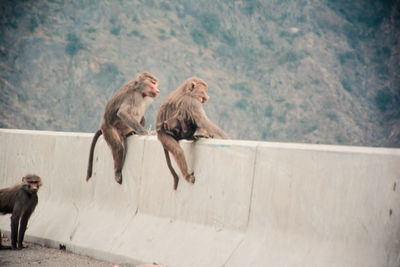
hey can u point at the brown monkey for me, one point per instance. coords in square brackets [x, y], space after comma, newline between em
[20, 200]
[123, 116]
[182, 116]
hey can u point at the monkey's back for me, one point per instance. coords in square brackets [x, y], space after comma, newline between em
[110, 112]
[124, 94]
[7, 198]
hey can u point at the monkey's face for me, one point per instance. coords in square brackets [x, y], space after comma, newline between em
[146, 83]
[34, 186]
[199, 91]
[150, 88]
[32, 182]
[202, 96]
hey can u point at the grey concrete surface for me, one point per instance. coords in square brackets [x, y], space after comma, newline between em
[253, 203]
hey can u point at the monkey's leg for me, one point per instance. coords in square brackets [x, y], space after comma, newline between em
[116, 145]
[173, 146]
[22, 229]
[14, 229]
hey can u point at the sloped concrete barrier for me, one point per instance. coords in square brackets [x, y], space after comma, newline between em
[253, 203]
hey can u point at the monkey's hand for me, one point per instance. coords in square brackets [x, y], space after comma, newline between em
[201, 133]
[151, 132]
[131, 122]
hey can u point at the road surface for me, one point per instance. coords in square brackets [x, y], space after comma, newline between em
[37, 255]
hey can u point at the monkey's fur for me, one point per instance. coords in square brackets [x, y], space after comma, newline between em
[20, 200]
[182, 116]
[123, 116]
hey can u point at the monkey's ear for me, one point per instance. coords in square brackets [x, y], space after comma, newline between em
[192, 86]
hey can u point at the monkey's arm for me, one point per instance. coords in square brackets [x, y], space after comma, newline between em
[24, 222]
[213, 130]
[125, 116]
[203, 122]
[143, 121]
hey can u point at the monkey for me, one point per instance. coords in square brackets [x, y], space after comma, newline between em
[182, 116]
[20, 200]
[124, 116]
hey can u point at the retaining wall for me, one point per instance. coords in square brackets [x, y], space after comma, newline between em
[253, 203]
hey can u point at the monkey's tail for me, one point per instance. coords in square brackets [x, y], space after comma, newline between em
[90, 164]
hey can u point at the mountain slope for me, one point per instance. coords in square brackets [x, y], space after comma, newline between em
[292, 71]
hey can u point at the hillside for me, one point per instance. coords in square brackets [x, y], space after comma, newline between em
[292, 71]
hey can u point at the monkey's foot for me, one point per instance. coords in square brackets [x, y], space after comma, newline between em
[190, 178]
[118, 177]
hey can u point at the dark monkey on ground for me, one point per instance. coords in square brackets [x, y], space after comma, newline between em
[20, 200]
[182, 116]
[123, 116]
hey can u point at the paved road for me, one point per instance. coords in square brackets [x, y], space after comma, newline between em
[36, 255]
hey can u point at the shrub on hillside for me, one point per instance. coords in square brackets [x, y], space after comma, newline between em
[242, 87]
[199, 36]
[73, 44]
[383, 99]
[242, 103]
[210, 22]
[347, 85]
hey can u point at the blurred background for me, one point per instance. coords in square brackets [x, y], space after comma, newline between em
[305, 71]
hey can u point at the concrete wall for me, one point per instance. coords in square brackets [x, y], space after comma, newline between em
[253, 203]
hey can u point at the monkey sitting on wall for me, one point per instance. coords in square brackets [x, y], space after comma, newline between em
[123, 116]
[182, 116]
[20, 200]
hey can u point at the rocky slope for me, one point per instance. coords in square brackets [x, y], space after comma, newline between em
[292, 71]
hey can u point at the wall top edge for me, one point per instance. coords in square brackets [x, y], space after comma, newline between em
[230, 143]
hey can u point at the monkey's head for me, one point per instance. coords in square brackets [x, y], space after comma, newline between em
[146, 83]
[31, 182]
[197, 88]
